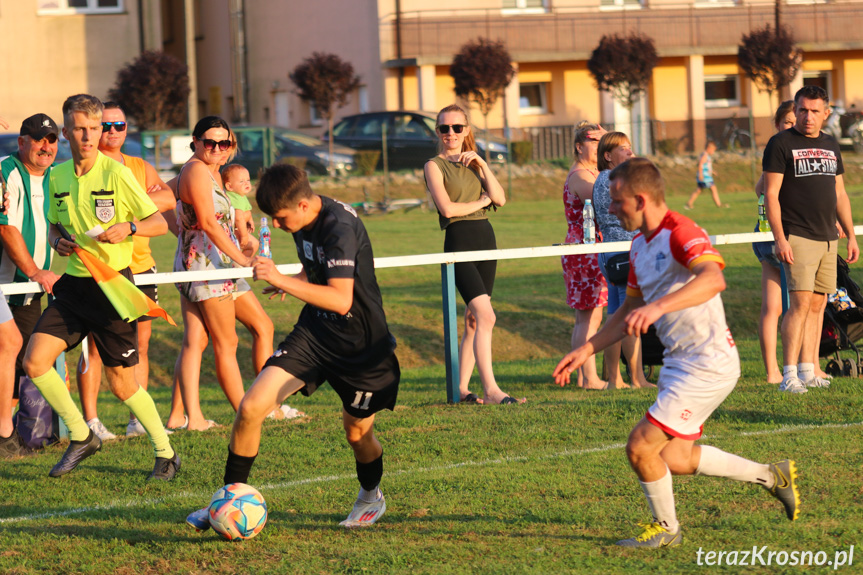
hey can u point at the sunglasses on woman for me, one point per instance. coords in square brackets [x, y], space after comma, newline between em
[210, 145]
[444, 128]
[119, 126]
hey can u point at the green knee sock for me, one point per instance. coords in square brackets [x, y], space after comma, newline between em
[142, 406]
[53, 389]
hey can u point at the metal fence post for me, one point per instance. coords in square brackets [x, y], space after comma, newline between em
[450, 331]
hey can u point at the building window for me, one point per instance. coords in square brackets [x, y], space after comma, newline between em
[714, 3]
[532, 98]
[525, 6]
[55, 7]
[820, 79]
[620, 4]
[721, 91]
[315, 118]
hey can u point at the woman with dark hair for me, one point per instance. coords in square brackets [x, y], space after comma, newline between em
[585, 287]
[206, 241]
[463, 188]
[614, 149]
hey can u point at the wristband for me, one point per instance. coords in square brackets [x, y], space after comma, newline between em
[57, 241]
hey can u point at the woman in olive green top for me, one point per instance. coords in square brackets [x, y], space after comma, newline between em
[463, 187]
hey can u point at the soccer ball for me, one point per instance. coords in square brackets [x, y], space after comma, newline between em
[238, 511]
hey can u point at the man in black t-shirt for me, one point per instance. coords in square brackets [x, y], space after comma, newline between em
[805, 194]
[341, 336]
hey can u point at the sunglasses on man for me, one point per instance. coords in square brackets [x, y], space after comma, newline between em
[210, 145]
[444, 128]
[119, 126]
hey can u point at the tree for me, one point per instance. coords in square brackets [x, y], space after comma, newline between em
[325, 81]
[153, 90]
[623, 66]
[482, 70]
[769, 57]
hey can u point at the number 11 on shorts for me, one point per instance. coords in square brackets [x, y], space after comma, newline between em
[365, 397]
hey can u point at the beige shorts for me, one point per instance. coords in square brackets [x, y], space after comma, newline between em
[814, 267]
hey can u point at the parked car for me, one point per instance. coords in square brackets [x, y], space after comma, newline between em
[287, 144]
[411, 138]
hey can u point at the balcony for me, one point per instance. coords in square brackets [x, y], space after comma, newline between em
[430, 37]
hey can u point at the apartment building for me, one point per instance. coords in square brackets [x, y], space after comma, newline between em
[243, 51]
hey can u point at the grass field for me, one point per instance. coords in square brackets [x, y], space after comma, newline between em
[539, 488]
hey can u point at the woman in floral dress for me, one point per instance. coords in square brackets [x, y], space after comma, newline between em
[586, 291]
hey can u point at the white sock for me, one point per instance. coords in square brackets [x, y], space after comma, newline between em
[788, 372]
[806, 371]
[660, 498]
[369, 496]
[718, 463]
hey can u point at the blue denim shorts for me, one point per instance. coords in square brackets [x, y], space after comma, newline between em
[764, 252]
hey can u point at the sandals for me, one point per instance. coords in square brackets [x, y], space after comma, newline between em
[507, 400]
[471, 398]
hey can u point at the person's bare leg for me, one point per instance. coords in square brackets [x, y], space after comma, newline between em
[466, 359]
[715, 193]
[612, 367]
[481, 309]
[219, 317]
[793, 325]
[252, 315]
[10, 345]
[586, 324]
[771, 309]
[812, 329]
[272, 386]
[187, 370]
[631, 346]
[89, 381]
[691, 202]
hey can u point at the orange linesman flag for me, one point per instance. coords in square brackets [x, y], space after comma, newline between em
[130, 302]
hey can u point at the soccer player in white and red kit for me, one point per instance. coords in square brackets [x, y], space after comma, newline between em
[674, 283]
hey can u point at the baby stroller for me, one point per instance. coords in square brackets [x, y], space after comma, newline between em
[843, 325]
[651, 353]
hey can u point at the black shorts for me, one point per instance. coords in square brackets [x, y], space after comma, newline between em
[364, 390]
[472, 279]
[26, 317]
[151, 291]
[80, 309]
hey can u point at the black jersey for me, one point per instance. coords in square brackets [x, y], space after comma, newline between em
[808, 194]
[338, 246]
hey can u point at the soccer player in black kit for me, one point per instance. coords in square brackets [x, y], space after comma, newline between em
[341, 335]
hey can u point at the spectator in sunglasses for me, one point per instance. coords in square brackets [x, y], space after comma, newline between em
[206, 241]
[89, 372]
[25, 257]
[463, 188]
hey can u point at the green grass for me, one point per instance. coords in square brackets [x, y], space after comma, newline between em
[539, 488]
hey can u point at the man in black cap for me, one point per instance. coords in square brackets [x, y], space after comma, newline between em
[25, 254]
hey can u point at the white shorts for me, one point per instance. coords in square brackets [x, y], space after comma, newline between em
[684, 402]
[5, 312]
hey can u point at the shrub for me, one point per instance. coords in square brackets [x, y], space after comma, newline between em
[367, 161]
[522, 152]
[667, 147]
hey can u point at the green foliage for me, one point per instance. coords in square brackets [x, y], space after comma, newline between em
[668, 146]
[623, 65]
[522, 152]
[367, 161]
[153, 90]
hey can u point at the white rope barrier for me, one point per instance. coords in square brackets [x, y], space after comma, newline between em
[556, 250]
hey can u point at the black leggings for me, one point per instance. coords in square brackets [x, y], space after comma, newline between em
[472, 279]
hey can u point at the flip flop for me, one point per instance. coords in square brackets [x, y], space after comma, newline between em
[507, 400]
[470, 398]
[184, 426]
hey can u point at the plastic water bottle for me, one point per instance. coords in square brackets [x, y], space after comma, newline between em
[763, 224]
[588, 216]
[264, 250]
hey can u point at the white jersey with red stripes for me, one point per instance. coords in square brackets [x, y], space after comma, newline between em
[696, 339]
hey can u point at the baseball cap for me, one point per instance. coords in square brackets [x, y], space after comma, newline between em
[38, 126]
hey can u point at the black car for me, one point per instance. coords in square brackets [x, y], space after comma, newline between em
[411, 138]
[9, 145]
[281, 144]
